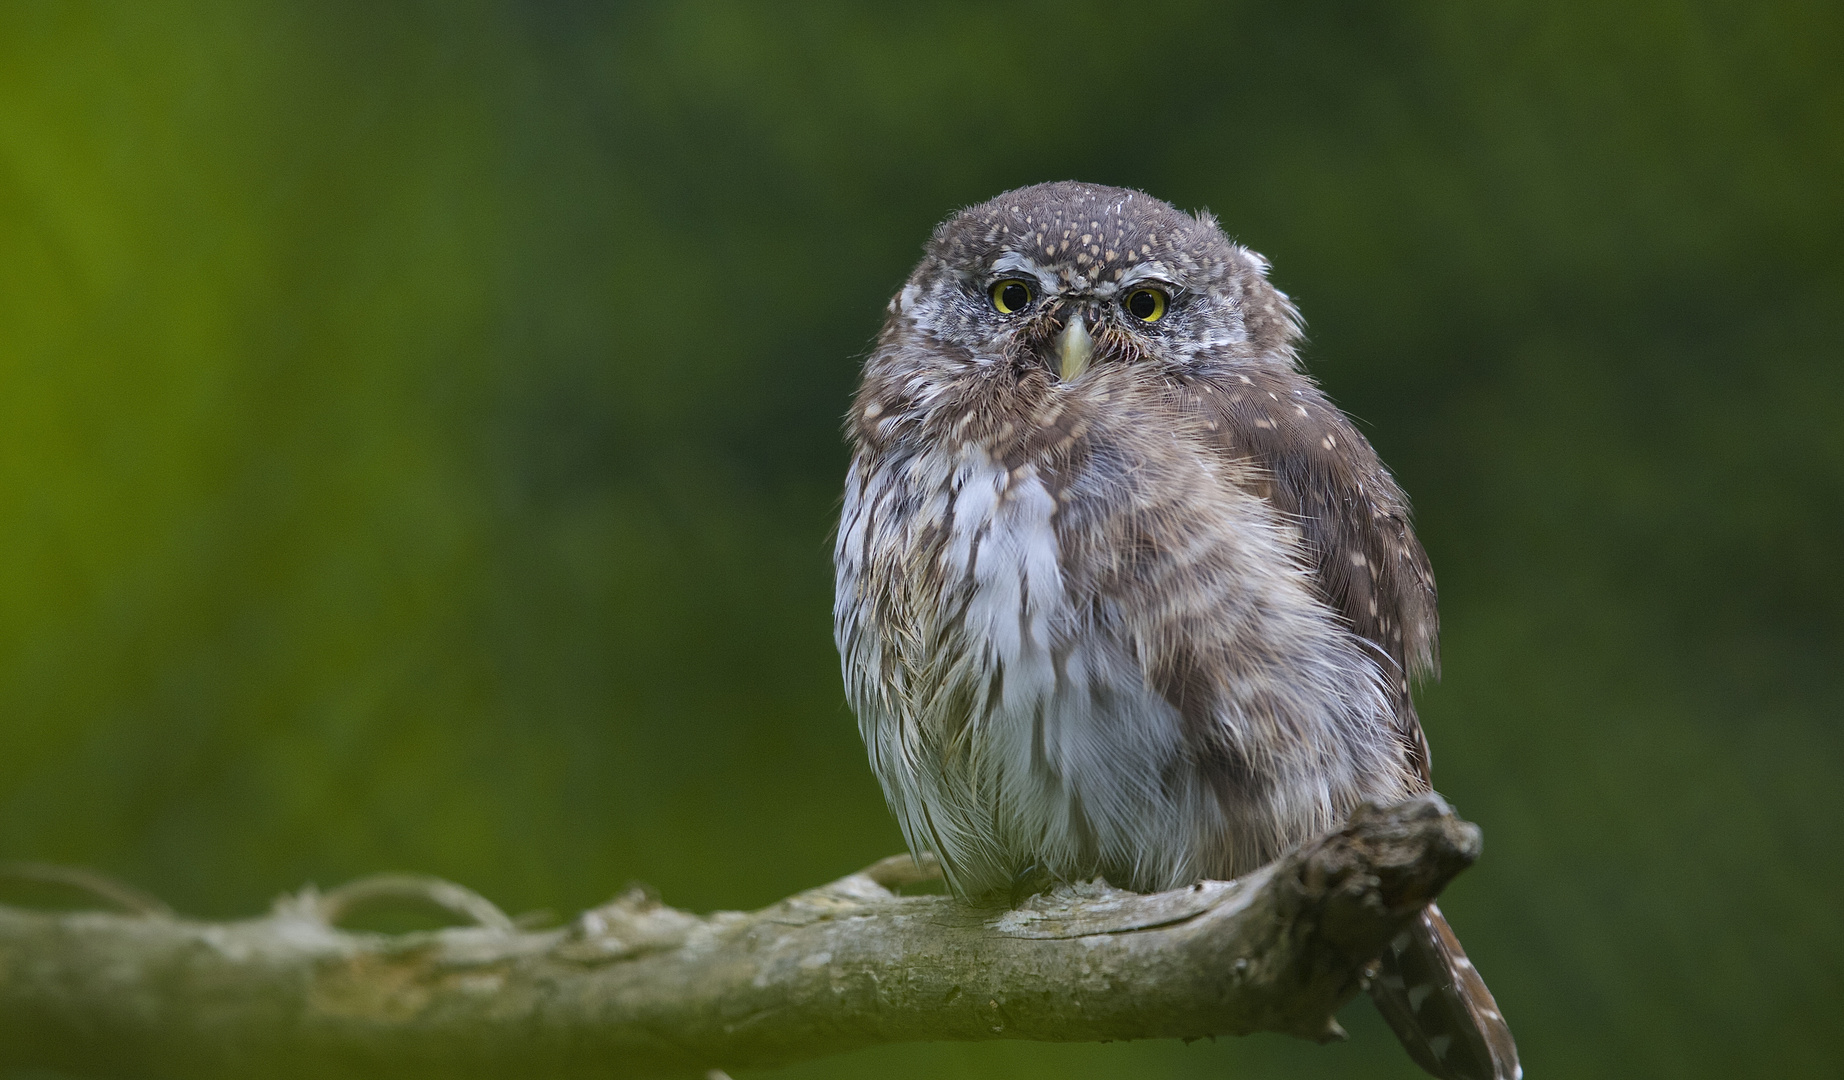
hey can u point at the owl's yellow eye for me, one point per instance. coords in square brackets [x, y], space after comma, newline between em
[1010, 295]
[1146, 305]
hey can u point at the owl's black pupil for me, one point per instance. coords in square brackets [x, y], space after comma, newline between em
[1014, 296]
[1142, 304]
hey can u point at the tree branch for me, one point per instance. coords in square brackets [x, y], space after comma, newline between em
[634, 988]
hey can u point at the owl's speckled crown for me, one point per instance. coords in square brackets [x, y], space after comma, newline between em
[1087, 233]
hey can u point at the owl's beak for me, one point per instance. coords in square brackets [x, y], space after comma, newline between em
[1074, 347]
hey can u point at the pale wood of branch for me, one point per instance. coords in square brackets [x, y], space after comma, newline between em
[638, 989]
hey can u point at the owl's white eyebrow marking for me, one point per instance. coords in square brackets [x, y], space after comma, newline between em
[1151, 271]
[1012, 263]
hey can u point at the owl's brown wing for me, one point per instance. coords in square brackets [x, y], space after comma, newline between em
[1314, 466]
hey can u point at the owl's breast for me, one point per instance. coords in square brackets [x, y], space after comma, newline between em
[1078, 645]
[949, 571]
[1009, 730]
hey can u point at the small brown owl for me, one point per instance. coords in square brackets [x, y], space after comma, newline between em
[1120, 592]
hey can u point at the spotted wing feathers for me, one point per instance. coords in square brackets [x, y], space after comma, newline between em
[1311, 462]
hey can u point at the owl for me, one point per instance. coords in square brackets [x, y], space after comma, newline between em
[1120, 592]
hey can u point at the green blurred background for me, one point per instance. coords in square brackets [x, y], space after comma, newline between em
[419, 442]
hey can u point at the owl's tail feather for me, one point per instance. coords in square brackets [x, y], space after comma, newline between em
[1429, 992]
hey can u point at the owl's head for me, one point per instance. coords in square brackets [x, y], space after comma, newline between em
[1060, 277]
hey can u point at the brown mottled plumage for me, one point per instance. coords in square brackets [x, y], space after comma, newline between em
[1120, 592]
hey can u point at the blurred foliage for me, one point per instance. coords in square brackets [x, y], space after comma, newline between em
[419, 443]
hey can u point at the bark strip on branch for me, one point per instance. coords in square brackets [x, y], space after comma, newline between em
[634, 988]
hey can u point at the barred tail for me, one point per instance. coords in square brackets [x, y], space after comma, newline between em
[1440, 1008]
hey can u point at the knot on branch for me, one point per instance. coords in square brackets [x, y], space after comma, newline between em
[1386, 864]
[631, 925]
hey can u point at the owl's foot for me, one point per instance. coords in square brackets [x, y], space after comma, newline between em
[1027, 883]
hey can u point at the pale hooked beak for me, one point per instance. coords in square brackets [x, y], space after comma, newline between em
[1074, 348]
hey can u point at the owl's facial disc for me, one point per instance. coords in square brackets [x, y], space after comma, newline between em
[1061, 283]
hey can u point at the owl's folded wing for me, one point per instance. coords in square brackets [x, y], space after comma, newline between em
[1314, 466]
